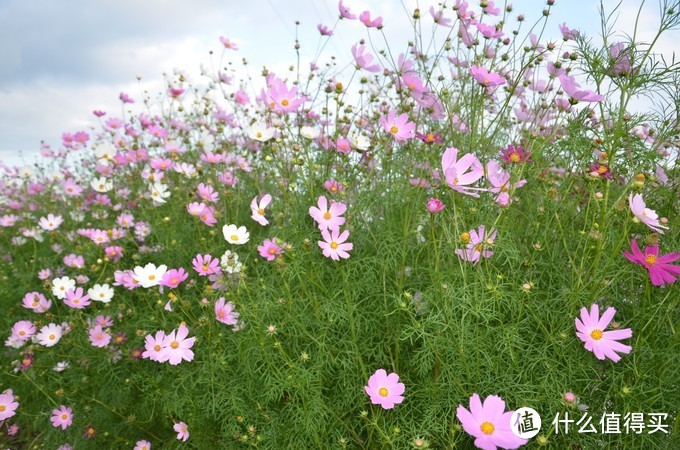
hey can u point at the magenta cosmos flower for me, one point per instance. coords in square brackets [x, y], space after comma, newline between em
[645, 215]
[661, 271]
[398, 126]
[62, 417]
[489, 423]
[182, 431]
[604, 344]
[328, 217]
[7, 405]
[224, 312]
[176, 347]
[334, 245]
[460, 173]
[385, 390]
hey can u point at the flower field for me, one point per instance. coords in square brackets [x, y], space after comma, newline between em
[396, 247]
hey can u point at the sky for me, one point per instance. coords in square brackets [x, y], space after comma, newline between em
[62, 60]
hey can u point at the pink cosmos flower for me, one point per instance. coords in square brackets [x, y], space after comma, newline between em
[23, 330]
[333, 186]
[99, 337]
[385, 390]
[258, 208]
[345, 12]
[486, 78]
[500, 182]
[399, 127]
[62, 417]
[570, 86]
[206, 265]
[365, 18]
[334, 245]
[176, 347]
[173, 278]
[37, 302]
[489, 423]
[644, 214]
[434, 205]
[76, 299]
[328, 218]
[228, 44]
[182, 431]
[460, 173]
[604, 344]
[661, 271]
[142, 445]
[324, 30]
[7, 405]
[269, 249]
[568, 34]
[430, 138]
[280, 98]
[153, 345]
[477, 246]
[364, 59]
[224, 312]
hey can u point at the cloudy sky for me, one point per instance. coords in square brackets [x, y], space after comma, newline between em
[60, 60]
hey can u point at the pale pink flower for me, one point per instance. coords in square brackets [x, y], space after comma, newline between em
[398, 126]
[460, 173]
[182, 431]
[363, 59]
[604, 344]
[269, 249]
[62, 417]
[224, 312]
[489, 423]
[258, 209]
[153, 345]
[99, 337]
[334, 245]
[177, 347]
[644, 214]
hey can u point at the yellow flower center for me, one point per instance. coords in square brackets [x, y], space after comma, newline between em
[602, 169]
[2, 408]
[157, 347]
[596, 334]
[514, 157]
[205, 267]
[430, 137]
[650, 259]
[334, 245]
[465, 237]
[333, 189]
[284, 102]
[152, 277]
[64, 416]
[487, 428]
[259, 134]
[51, 336]
[479, 247]
[174, 344]
[234, 237]
[260, 211]
[272, 251]
[383, 392]
[394, 130]
[22, 332]
[326, 215]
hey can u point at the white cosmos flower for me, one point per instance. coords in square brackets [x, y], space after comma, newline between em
[101, 184]
[49, 335]
[105, 153]
[150, 275]
[359, 141]
[159, 192]
[61, 285]
[51, 222]
[101, 293]
[235, 235]
[260, 132]
[310, 132]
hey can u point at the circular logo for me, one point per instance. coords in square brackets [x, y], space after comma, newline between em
[525, 423]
